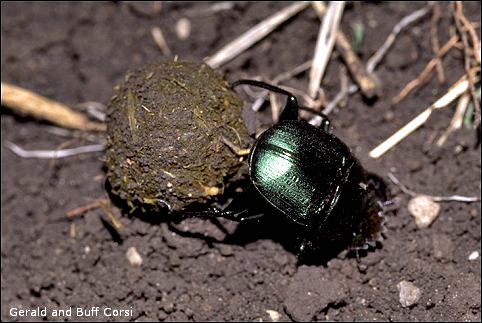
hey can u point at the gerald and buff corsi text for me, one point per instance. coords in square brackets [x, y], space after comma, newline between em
[72, 311]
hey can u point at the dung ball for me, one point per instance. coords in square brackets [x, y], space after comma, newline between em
[165, 130]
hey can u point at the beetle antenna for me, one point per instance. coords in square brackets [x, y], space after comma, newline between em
[290, 112]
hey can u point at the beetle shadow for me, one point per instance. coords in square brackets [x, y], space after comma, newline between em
[270, 225]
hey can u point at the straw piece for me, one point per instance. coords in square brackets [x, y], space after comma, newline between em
[456, 122]
[253, 35]
[456, 198]
[365, 81]
[32, 104]
[380, 53]
[324, 45]
[49, 154]
[159, 39]
[455, 91]
[425, 75]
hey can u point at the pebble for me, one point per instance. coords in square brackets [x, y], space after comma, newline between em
[273, 315]
[474, 256]
[134, 257]
[424, 209]
[409, 293]
[183, 28]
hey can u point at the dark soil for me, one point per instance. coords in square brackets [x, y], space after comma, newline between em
[77, 52]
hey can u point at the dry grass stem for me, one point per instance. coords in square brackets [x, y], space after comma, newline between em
[210, 10]
[342, 95]
[324, 45]
[457, 119]
[319, 7]
[470, 28]
[158, 37]
[81, 210]
[262, 96]
[339, 97]
[50, 154]
[94, 109]
[79, 134]
[457, 198]
[278, 79]
[291, 73]
[105, 206]
[32, 104]
[381, 52]
[275, 107]
[455, 91]
[468, 58]
[253, 35]
[367, 82]
[436, 15]
[425, 75]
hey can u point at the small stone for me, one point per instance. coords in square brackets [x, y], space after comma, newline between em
[424, 209]
[134, 257]
[409, 293]
[183, 28]
[273, 315]
[474, 256]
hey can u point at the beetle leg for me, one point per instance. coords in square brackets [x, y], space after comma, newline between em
[390, 205]
[238, 215]
[290, 112]
[322, 121]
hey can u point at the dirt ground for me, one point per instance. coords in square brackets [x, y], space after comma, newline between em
[77, 52]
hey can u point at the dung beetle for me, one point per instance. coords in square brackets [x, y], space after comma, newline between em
[311, 178]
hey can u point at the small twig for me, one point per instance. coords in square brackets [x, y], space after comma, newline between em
[49, 154]
[457, 198]
[69, 133]
[458, 14]
[457, 119]
[380, 53]
[29, 103]
[158, 37]
[367, 82]
[339, 97]
[253, 35]
[284, 76]
[291, 73]
[95, 109]
[316, 120]
[210, 10]
[454, 92]
[324, 45]
[81, 210]
[435, 42]
[105, 206]
[342, 94]
[275, 107]
[425, 75]
[473, 35]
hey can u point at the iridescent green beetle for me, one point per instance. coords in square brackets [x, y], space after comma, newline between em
[310, 177]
